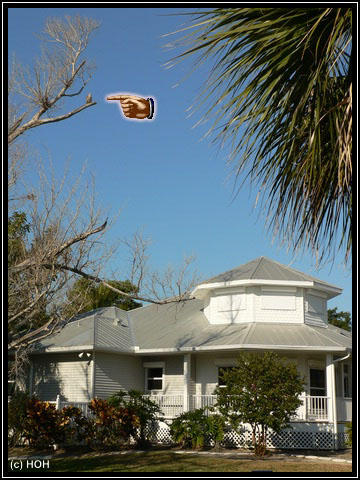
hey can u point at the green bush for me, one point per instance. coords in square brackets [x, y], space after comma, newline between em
[41, 424]
[17, 412]
[141, 407]
[109, 426]
[44, 425]
[196, 429]
[349, 431]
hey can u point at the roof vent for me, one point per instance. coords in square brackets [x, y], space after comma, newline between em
[116, 321]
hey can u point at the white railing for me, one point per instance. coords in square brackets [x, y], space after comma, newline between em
[201, 401]
[83, 406]
[170, 405]
[311, 409]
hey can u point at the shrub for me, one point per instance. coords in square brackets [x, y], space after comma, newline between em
[17, 411]
[41, 424]
[349, 431]
[110, 426]
[140, 406]
[75, 425]
[196, 429]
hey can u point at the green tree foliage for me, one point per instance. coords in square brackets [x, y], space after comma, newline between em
[18, 229]
[280, 93]
[339, 319]
[261, 391]
[144, 409]
[86, 295]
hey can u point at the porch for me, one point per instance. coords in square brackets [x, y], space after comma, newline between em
[312, 409]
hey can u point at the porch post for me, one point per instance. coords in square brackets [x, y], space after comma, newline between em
[187, 366]
[330, 392]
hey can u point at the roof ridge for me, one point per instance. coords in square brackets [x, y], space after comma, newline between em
[257, 266]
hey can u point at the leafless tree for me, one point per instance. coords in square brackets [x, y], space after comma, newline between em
[58, 74]
[66, 232]
[173, 284]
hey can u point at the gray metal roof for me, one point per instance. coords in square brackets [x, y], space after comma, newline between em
[264, 268]
[104, 328]
[184, 326]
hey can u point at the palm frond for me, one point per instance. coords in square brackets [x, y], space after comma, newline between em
[279, 94]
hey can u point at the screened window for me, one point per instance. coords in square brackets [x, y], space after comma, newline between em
[347, 381]
[315, 304]
[154, 379]
[317, 382]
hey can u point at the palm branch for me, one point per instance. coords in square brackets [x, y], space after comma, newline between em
[280, 96]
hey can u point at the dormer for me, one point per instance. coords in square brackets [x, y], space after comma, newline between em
[265, 291]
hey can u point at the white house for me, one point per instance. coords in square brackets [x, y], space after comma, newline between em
[174, 351]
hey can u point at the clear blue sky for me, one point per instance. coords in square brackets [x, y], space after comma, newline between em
[169, 183]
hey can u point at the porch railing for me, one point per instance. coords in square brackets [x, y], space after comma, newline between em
[311, 409]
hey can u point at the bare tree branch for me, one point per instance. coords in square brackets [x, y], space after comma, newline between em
[54, 74]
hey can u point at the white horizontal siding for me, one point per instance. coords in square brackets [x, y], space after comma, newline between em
[117, 372]
[62, 374]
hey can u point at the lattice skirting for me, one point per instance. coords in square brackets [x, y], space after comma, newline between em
[285, 439]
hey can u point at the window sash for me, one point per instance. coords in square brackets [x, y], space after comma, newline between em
[154, 378]
[317, 382]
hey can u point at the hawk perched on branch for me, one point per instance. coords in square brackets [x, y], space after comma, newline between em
[89, 98]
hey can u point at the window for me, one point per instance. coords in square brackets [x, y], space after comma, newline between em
[222, 370]
[317, 382]
[278, 299]
[154, 378]
[347, 380]
[230, 303]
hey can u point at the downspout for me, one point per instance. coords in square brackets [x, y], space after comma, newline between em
[93, 362]
[340, 359]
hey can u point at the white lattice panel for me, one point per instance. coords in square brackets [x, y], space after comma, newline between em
[285, 439]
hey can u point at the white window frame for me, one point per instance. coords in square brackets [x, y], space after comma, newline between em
[147, 366]
[317, 367]
[288, 293]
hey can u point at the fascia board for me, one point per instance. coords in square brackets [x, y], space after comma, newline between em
[241, 283]
[241, 347]
[75, 348]
[200, 290]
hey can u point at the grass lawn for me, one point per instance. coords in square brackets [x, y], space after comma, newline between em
[169, 461]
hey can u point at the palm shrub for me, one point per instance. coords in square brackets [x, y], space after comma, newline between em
[145, 410]
[196, 429]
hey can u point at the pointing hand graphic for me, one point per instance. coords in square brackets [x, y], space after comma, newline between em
[135, 107]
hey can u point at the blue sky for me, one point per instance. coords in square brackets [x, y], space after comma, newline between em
[167, 182]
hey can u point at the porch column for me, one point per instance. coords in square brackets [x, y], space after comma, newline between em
[187, 366]
[330, 392]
